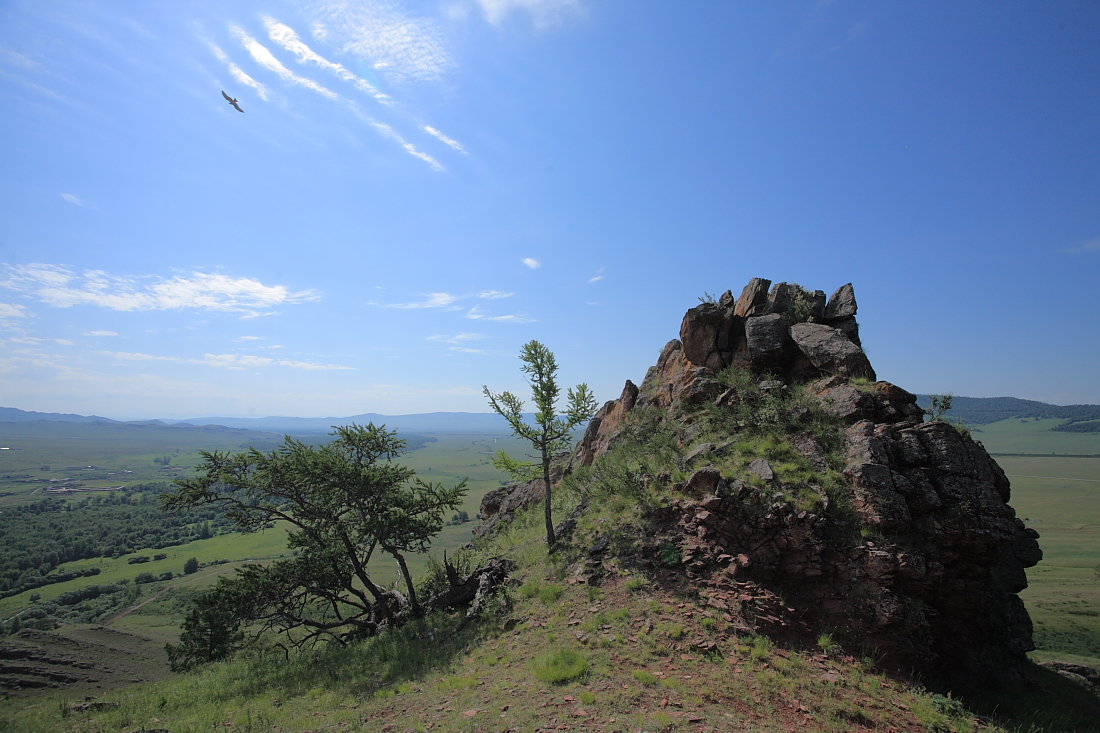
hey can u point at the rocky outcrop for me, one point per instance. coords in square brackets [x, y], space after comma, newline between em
[500, 506]
[918, 554]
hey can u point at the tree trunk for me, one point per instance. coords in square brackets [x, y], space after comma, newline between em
[551, 540]
[413, 603]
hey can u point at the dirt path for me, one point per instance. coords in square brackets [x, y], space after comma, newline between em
[131, 609]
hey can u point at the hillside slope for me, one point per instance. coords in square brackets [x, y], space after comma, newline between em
[759, 537]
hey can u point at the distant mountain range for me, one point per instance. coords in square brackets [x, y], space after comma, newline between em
[972, 410]
[427, 422]
[11, 414]
[430, 422]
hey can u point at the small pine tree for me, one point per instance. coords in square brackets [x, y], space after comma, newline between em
[550, 432]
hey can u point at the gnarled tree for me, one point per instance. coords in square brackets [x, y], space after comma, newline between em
[342, 502]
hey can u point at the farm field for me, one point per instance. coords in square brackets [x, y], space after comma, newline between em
[105, 455]
[1034, 435]
[1058, 496]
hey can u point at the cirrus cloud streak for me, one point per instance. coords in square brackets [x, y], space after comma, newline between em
[231, 361]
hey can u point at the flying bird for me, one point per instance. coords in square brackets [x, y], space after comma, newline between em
[232, 101]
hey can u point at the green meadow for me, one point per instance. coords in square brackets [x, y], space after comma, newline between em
[1053, 492]
[1034, 435]
[1058, 496]
[441, 458]
[106, 455]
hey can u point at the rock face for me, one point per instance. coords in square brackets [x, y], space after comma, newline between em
[920, 556]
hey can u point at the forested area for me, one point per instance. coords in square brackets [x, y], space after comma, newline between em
[41, 536]
[1085, 426]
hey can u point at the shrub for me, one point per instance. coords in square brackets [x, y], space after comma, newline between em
[646, 447]
[761, 648]
[561, 666]
[669, 554]
[550, 593]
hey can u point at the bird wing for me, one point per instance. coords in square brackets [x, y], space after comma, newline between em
[237, 106]
[227, 97]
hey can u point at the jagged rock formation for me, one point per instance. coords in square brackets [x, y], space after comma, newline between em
[914, 551]
[930, 576]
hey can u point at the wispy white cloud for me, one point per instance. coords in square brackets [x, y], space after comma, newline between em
[1093, 246]
[457, 342]
[386, 37]
[32, 85]
[494, 294]
[431, 300]
[458, 338]
[100, 333]
[247, 338]
[72, 199]
[532, 263]
[10, 310]
[230, 361]
[266, 59]
[597, 277]
[288, 38]
[61, 287]
[444, 139]
[35, 341]
[476, 314]
[238, 73]
[411, 149]
[543, 13]
[14, 58]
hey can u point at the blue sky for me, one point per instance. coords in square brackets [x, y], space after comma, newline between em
[416, 189]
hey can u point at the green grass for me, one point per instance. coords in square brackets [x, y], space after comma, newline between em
[232, 547]
[1031, 435]
[1060, 497]
[638, 667]
[541, 666]
[564, 665]
[549, 594]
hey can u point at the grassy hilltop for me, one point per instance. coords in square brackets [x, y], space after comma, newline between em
[639, 651]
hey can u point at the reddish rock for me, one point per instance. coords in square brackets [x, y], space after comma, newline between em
[754, 298]
[831, 351]
[842, 304]
[710, 334]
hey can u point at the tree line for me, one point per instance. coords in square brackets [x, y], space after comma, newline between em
[41, 536]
